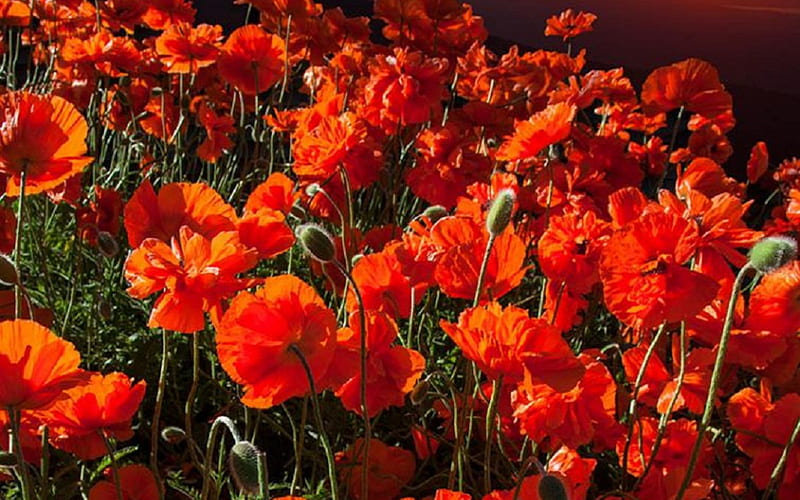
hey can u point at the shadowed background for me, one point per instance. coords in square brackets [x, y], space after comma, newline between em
[753, 43]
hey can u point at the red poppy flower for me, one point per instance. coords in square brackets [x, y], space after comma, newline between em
[185, 49]
[383, 285]
[161, 14]
[30, 436]
[102, 215]
[570, 24]
[218, 128]
[35, 365]
[14, 13]
[44, 136]
[405, 88]
[569, 250]
[104, 403]
[758, 163]
[508, 343]
[252, 60]
[573, 418]
[764, 428]
[693, 84]
[644, 281]
[390, 468]
[392, 371]
[464, 242]
[8, 229]
[266, 231]
[775, 301]
[549, 126]
[451, 495]
[198, 206]
[196, 274]
[136, 482]
[258, 330]
[102, 53]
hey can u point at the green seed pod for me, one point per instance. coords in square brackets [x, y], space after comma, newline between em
[551, 488]
[8, 271]
[773, 252]
[435, 212]
[243, 463]
[173, 435]
[499, 215]
[7, 459]
[316, 242]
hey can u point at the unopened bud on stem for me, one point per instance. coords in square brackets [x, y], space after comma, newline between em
[773, 252]
[499, 215]
[551, 488]
[316, 241]
[244, 466]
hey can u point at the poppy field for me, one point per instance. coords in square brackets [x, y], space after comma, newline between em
[321, 257]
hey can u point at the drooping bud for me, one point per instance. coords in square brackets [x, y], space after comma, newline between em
[312, 189]
[104, 309]
[435, 212]
[316, 242]
[173, 435]
[107, 244]
[418, 393]
[354, 260]
[8, 271]
[552, 488]
[499, 215]
[243, 465]
[773, 252]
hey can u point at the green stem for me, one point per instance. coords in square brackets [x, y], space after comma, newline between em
[326, 445]
[14, 416]
[778, 472]
[154, 431]
[212, 441]
[18, 242]
[716, 376]
[491, 413]
[482, 273]
[189, 406]
[114, 468]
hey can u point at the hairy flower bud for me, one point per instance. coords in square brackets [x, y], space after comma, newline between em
[243, 465]
[773, 252]
[551, 488]
[107, 244]
[499, 215]
[435, 212]
[173, 435]
[316, 242]
[8, 271]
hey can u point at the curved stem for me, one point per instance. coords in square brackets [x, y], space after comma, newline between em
[323, 436]
[18, 242]
[716, 375]
[778, 472]
[211, 445]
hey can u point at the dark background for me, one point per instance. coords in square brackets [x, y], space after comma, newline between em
[753, 43]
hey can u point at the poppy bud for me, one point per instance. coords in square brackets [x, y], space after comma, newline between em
[356, 258]
[312, 189]
[243, 465]
[435, 212]
[7, 459]
[316, 242]
[773, 252]
[418, 393]
[499, 215]
[551, 488]
[104, 309]
[107, 244]
[8, 271]
[173, 435]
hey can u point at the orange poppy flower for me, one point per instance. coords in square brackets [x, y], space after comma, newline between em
[101, 215]
[763, 429]
[252, 60]
[14, 13]
[404, 88]
[196, 274]
[218, 128]
[383, 285]
[508, 343]
[644, 281]
[570, 24]
[122, 14]
[30, 436]
[758, 163]
[464, 244]
[43, 135]
[390, 468]
[775, 301]
[392, 371]
[276, 192]
[258, 330]
[136, 482]
[104, 403]
[569, 250]
[671, 461]
[198, 206]
[693, 84]
[102, 53]
[451, 495]
[185, 49]
[161, 14]
[549, 126]
[35, 365]
[265, 228]
[573, 418]
[161, 117]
